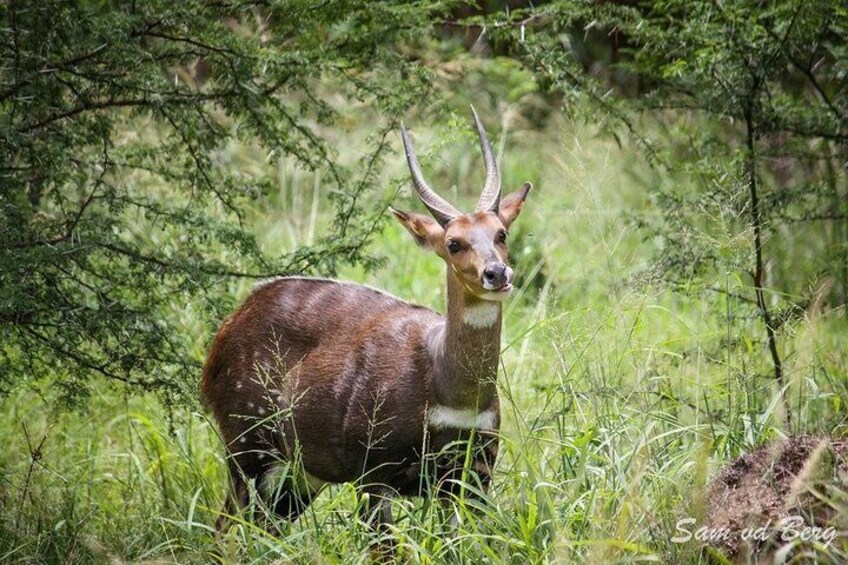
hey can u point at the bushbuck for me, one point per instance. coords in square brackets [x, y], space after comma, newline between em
[315, 381]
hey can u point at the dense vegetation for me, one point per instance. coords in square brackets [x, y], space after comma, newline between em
[683, 261]
[122, 200]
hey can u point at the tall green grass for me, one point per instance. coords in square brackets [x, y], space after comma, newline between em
[619, 399]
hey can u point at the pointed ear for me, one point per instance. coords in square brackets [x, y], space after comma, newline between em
[426, 231]
[511, 205]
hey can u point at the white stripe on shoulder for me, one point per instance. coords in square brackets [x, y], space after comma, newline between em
[266, 282]
[444, 417]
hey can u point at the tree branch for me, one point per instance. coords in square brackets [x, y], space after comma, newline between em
[759, 265]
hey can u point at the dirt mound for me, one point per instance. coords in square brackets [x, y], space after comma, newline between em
[789, 491]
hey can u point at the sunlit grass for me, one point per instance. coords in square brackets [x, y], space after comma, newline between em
[619, 399]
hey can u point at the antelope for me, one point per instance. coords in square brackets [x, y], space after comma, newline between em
[315, 381]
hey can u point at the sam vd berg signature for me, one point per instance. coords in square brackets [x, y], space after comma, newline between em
[787, 529]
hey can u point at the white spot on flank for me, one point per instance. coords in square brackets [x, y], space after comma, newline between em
[243, 439]
[261, 411]
[441, 417]
[483, 315]
[239, 385]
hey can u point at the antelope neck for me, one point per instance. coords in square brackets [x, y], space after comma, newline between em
[467, 348]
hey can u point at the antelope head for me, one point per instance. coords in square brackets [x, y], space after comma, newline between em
[473, 244]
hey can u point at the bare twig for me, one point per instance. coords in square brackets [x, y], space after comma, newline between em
[35, 455]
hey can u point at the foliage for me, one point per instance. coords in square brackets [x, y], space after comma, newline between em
[751, 100]
[119, 204]
[170, 171]
[615, 412]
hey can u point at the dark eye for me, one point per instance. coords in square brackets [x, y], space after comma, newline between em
[502, 236]
[454, 246]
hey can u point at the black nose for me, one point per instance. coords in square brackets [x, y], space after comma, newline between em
[494, 275]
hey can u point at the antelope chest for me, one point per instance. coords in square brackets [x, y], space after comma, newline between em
[445, 417]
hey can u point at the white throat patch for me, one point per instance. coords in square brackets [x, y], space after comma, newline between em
[483, 315]
[445, 417]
